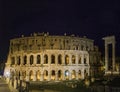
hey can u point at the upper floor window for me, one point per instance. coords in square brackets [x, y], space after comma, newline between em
[38, 59]
[25, 60]
[52, 59]
[73, 59]
[45, 59]
[59, 59]
[31, 59]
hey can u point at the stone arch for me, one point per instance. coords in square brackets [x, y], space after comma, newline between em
[73, 74]
[31, 59]
[45, 75]
[66, 59]
[73, 59]
[85, 73]
[12, 60]
[52, 59]
[79, 61]
[85, 60]
[31, 75]
[38, 75]
[59, 59]
[25, 60]
[45, 59]
[79, 74]
[59, 75]
[53, 75]
[38, 59]
[67, 74]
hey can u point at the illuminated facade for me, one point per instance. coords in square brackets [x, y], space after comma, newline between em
[42, 57]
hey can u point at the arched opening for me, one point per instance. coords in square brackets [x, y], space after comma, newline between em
[25, 60]
[52, 59]
[31, 76]
[59, 59]
[79, 74]
[59, 75]
[12, 60]
[79, 61]
[38, 59]
[45, 75]
[66, 59]
[73, 74]
[45, 59]
[85, 61]
[38, 75]
[31, 59]
[67, 74]
[85, 74]
[53, 75]
[73, 59]
[18, 60]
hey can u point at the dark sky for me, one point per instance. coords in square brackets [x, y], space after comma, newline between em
[94, 19]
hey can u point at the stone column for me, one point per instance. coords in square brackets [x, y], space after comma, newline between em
[56, 59]
[35, 59]
[77, 75]
[34, 79]
[82, 59]
[49, 75]
[113, 55]
[28, 59]
[63, 59]
[106, 57]
[56, 76]
[49, 59]
[42, 58]
[82, 74]
[41, 77]
[76, 59]
[70, 75]
[21, 58]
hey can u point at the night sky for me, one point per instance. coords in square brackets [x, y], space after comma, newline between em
[94, 19]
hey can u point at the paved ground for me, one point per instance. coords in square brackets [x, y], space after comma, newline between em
[4, 86]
